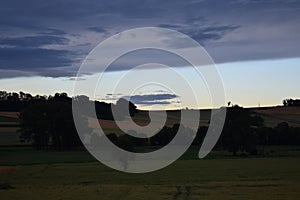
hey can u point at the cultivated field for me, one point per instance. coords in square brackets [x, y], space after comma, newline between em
[13, 115]
[142, 119]
[275, 115]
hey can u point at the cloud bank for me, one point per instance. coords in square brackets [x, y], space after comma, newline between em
[52, 38]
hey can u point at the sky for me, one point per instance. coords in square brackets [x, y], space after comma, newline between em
[254, 43]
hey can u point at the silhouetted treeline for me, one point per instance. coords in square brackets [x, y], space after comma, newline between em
[49, 125]
[243, 132]
[47, 121]
[16, 102]
[162, 138]
[282, 134]
[291, 102]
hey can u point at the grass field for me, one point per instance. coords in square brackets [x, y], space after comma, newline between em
[8, 128]
[30, 174]
[27, 174]
[256, 178]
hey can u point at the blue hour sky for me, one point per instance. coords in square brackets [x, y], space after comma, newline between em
[255, 44]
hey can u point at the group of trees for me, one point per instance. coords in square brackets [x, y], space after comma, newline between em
[47, 121]
[291, 102]
[49, 125]
[16, 102]
[130, 143]
[282, 134]
[240, 130]
[244, 132]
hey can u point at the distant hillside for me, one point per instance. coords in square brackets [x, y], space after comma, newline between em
[142, 119]
[275, 115]
[271, 115]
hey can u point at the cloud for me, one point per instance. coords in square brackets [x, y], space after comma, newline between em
[33, 41]
[75, 79]
[200, 32]
[205, 34]
[22, 58]
[152, 99]
[52, 31]
[145, 99]
[31, 55]
[237, 30]
[263, 1]
[145, 56]
[39, 61]
[170, 26]
[144, 103]
[98, 29]
[7, 73]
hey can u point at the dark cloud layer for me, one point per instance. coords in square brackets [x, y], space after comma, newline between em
[152, 99]
[201, 33]
[52, 31]
[146, 99]
[33, 41]
[98, 29]
[35, 61]
[236, 30]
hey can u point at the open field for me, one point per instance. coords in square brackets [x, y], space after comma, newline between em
[8, 121]
[25, 155]
[272, 116]
[275, 115]
[142, 119]
[8, 137]
[26, 173]
[8, 128]
[252, 178]
[13, 115]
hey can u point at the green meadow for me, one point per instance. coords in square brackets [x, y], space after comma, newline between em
[241, 178]
[30, 174]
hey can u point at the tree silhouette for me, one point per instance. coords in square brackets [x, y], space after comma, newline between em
[240, 130]
[49, 124]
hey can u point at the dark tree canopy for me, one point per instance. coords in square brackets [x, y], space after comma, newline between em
[49, 124]
[291, 102]
[47, 121]
[239, 133]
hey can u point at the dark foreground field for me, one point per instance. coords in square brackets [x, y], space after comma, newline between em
[188, 178]
[28, 174]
